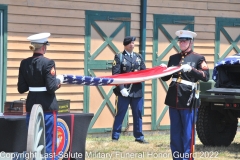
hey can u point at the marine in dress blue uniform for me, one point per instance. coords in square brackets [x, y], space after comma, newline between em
[178, 98]
[37, 74]
[128, 94]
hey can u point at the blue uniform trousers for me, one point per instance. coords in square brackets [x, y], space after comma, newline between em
[122, 106]
[50, 119]
[181, 122]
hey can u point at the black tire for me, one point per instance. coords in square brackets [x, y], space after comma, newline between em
[214, 128]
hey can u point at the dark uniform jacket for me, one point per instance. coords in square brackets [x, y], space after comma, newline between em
[178, 93]
[126, 65]
[38, 71]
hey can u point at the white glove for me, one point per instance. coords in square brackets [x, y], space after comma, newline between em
[60, 77]
[163, 65]
[124, 92]
[186, 68]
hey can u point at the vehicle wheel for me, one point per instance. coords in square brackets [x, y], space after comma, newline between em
[214, 128]
[36, 133]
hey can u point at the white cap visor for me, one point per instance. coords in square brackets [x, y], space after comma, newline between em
[184, 34]
[39, 38]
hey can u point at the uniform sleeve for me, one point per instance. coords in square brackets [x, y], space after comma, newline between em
[116, 68]
[166, 78]
[22, 84]
[202, 70]
[50, 77]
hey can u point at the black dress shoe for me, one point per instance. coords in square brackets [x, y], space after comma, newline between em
[141, 141]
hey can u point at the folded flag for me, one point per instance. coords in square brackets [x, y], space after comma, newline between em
[231, 60]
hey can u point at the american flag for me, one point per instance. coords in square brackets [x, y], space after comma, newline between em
[231, 60]
[131, 77]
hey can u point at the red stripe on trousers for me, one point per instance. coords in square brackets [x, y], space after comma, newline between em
[71, 135]
[54, 132]
[192, 143]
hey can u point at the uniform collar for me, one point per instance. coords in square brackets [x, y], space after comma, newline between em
[186, 53]
[37, 54]
[129, 53]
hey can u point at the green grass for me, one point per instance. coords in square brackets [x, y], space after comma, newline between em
[101, 147]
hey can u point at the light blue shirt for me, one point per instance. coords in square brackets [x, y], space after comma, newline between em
[129, 53]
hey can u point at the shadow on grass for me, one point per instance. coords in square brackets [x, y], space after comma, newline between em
[232, 151]
[234, 147]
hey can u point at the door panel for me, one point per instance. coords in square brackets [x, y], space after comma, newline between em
[164, 45]
[3, 53]
[105, 32]
[227, 37]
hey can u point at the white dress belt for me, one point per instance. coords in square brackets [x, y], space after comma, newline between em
[37, 89]
[183, 81]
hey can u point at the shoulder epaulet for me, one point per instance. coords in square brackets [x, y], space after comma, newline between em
[120, 56]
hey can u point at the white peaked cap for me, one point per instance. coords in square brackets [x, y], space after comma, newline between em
[185, 34]
[39, 38]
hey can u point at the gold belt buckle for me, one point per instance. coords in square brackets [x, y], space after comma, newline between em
[179, 80]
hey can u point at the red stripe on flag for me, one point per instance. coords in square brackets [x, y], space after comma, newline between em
[143, 75]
